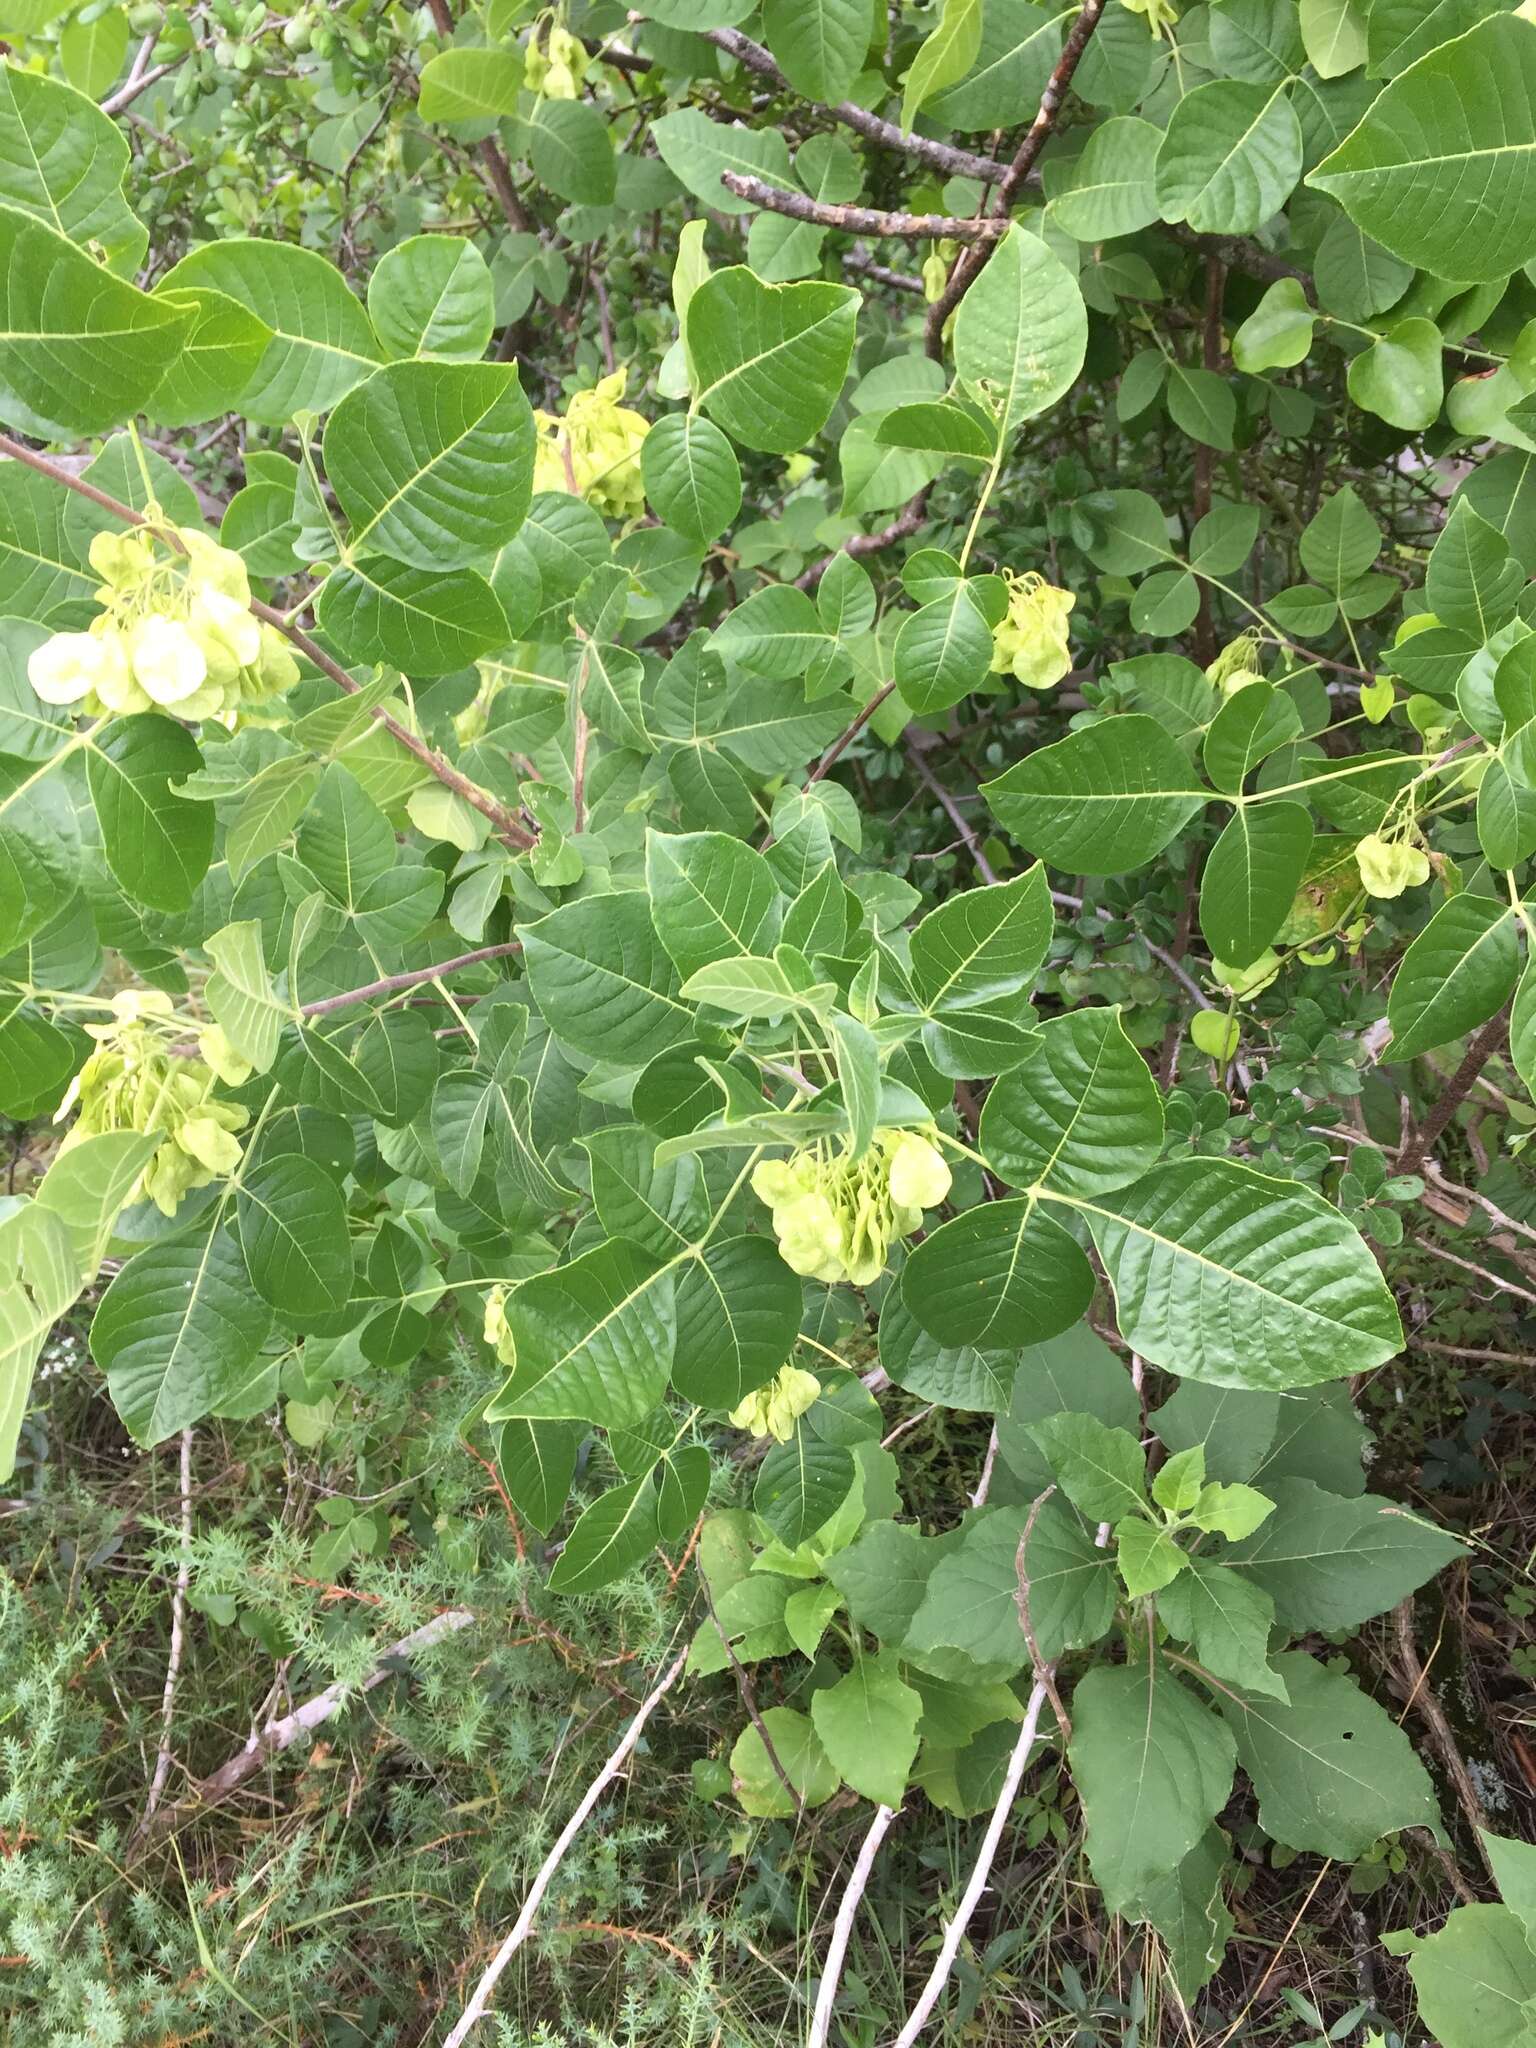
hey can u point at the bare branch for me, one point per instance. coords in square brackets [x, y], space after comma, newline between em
[861, 220]
[178, 1637]
[391, 984]
[951, 810]
[842, 1926]
[480, 2000]
[970, 261]
[958, 163]
[505, 824]
[954, 1933]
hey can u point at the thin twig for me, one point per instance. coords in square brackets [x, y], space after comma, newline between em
[944, 156]
[1421, 1694]
[862, 220]
[842, 1926]
[276, 1736]
[902, 527]
[1467, 1266]
[850, 733]
[502, 819]
[390, 984]
[1045, 1672]
[749, 1699]
[970, 261]
[954, 1933]
[951, 810]
[178, 1637]
[1455, 1091]
[480, 1999]
[988, 1467]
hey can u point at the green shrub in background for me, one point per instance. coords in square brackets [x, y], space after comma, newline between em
[766, 784]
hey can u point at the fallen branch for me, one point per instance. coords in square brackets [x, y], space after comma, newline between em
[842, 1926]
[944, 156]
[480, 1999]
[861, 220]
[954, 1933]
[270, 1741]
[1421, 1694]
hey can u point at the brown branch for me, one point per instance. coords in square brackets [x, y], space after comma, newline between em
[902, 527]
[944, 156]
[850, 732]
[1455, 1092]
[1044, 1673]
[951, 810]
[1421, 1694]
[881, 273]
[495, 169]
[971, 261]
[861, 220]
[505, 824]
[390, 984]
[749, 1699]
[1238, 254]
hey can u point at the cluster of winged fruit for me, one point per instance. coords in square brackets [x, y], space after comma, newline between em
[775, 1409]
[133, 1081]
[1030, 640]
[835, 1212]
[556, 71]
[594, 452]
[176, 633]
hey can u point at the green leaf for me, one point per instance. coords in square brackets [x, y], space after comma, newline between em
[178, 1329]
[769, 360]
[537, 1461]
[345, 840]
[819, 45]
[1251, 877]
[40, 1276]
[470, 85]
[571, 152]
[1111, 190]
[1399, 377]
[157, 844]
[1232, 1427]
[594, 1340]
[944, 56]
[423, 621]
[1340, 542]
[1074, 1372]
[605, 985]
[1082, 1113]
[1020, 44]
[1152, 1767]
[240, 995]
[1472, 580]
[433, 462]
[1185, 1905]
[1476, 1979]
[1227, 1620]
[431, 295]
[1101, 1471]
[1001, 1273]
[868, 1727]
[696, 150]
[692, 477]
[322, 343]
[39, 850]
[1437, 169]
[953, 1376]
[293, 1231]
[801, 1485]
[1277, 335]
[943, 651]
[1021, 331]
[712, 898]
[611, 1536]
[1225, 1275]
[1104, 800]
[971, 1601]
[1330, 1563]
[737, 1311]
[1333, 1771]
[221, 351]
[800, 1756]
[1248, 727]
[63, 160]
[80, 350]
[930, 427]
[1455, 975]
[1514, 1871]
[1205, 407]
[983, 945]
[1147, 1557]
[1334, 32]
[1230, 157]
[1399, 32]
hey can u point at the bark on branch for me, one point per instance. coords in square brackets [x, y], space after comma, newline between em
[861, 220]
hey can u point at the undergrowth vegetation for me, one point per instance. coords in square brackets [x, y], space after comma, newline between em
[767, 778]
